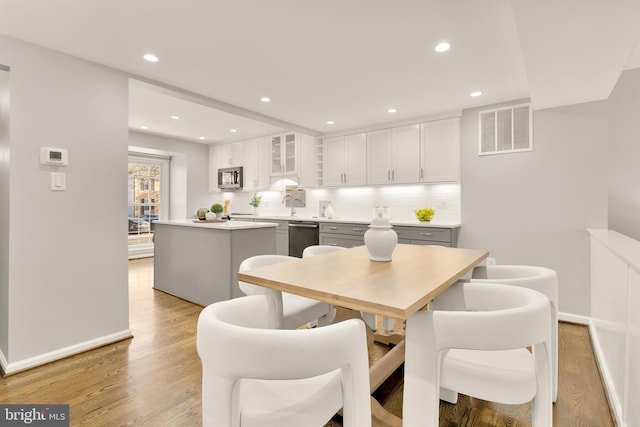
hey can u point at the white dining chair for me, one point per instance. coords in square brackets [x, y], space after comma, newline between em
[474, 340]
[315, 250]
[541, 279]
[257, 377]
[295, 311]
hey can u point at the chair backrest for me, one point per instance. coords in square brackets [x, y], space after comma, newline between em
[233, 347]
[314, 250]
[541, 279]
[258, 261]
[474, 316]
[489, 316]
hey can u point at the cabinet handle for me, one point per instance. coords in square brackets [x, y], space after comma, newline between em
[356, 229]
[426, 234]
[421, 173]
[332, 228]
[388, 175]
[345, 178]
[393, 175]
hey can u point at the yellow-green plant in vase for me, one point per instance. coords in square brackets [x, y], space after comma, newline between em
[425, 214]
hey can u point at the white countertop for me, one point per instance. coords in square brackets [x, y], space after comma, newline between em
[399, 222]
[227, 225]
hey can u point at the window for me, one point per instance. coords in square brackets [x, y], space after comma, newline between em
[505, 130]
[147, 200]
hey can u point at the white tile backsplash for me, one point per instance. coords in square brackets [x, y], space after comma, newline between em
[358, 202]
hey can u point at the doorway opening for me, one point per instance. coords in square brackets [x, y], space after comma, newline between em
[148, 200]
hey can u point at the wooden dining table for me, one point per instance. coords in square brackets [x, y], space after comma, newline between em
[394, 289]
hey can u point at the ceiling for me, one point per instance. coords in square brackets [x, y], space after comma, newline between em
[346, 61]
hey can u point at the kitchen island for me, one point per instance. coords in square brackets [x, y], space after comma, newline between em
[198, 261]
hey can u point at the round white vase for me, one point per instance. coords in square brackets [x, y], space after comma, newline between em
[328, 212]
[380, 240]
[209, 216]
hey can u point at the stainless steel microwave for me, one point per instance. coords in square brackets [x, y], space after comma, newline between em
[230, 179]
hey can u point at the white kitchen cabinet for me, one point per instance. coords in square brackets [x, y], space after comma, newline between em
[231, 154]
[393, 155]
[345, 160]
[440, 151]
[223, 156]
[256, 164]
[283, 154]
[214, 165]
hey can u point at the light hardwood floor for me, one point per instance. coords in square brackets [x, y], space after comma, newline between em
[154, 378]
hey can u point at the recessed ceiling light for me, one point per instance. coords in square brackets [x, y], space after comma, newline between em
[391, 110]
[476, 93]
[175, 117]
[330, 122]
[144, 127]
[442, 47]
[234, 130]
[265, 99]
[201, 138]
[150, 57]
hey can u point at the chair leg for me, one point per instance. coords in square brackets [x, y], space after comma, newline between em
[448, 395]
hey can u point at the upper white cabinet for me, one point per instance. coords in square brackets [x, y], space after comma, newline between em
[440, 151]
[231, 154]
[345, 160]
[393, 155]
[283, 154]
[256, 164]
[215, 160]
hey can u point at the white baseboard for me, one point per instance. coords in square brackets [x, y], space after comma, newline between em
[41, 359]
[614, 401]
[574, 318]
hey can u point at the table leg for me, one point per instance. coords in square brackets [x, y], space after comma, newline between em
[380, 417]
[379, 372]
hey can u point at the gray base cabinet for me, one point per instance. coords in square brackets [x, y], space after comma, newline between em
[350, 235]
[342, 234]
[201, 265]
[427, 236]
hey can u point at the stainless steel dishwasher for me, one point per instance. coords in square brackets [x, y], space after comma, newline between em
[301, 235]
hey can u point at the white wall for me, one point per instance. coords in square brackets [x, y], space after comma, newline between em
[67, 262]
[624, 155]
[534, 207]
[189, 172]
[4, 206]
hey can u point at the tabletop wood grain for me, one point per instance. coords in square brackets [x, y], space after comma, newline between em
[395, 289]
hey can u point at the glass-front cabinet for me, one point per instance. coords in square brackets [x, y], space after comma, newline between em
[283, 153]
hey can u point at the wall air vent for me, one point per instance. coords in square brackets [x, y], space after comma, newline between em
[505, 130]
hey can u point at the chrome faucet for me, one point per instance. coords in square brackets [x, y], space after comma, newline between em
[292, 201]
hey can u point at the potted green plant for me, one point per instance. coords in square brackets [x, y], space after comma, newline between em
[217, 209]
[255, 202]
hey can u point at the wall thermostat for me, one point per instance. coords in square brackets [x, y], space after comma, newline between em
[54, 156]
